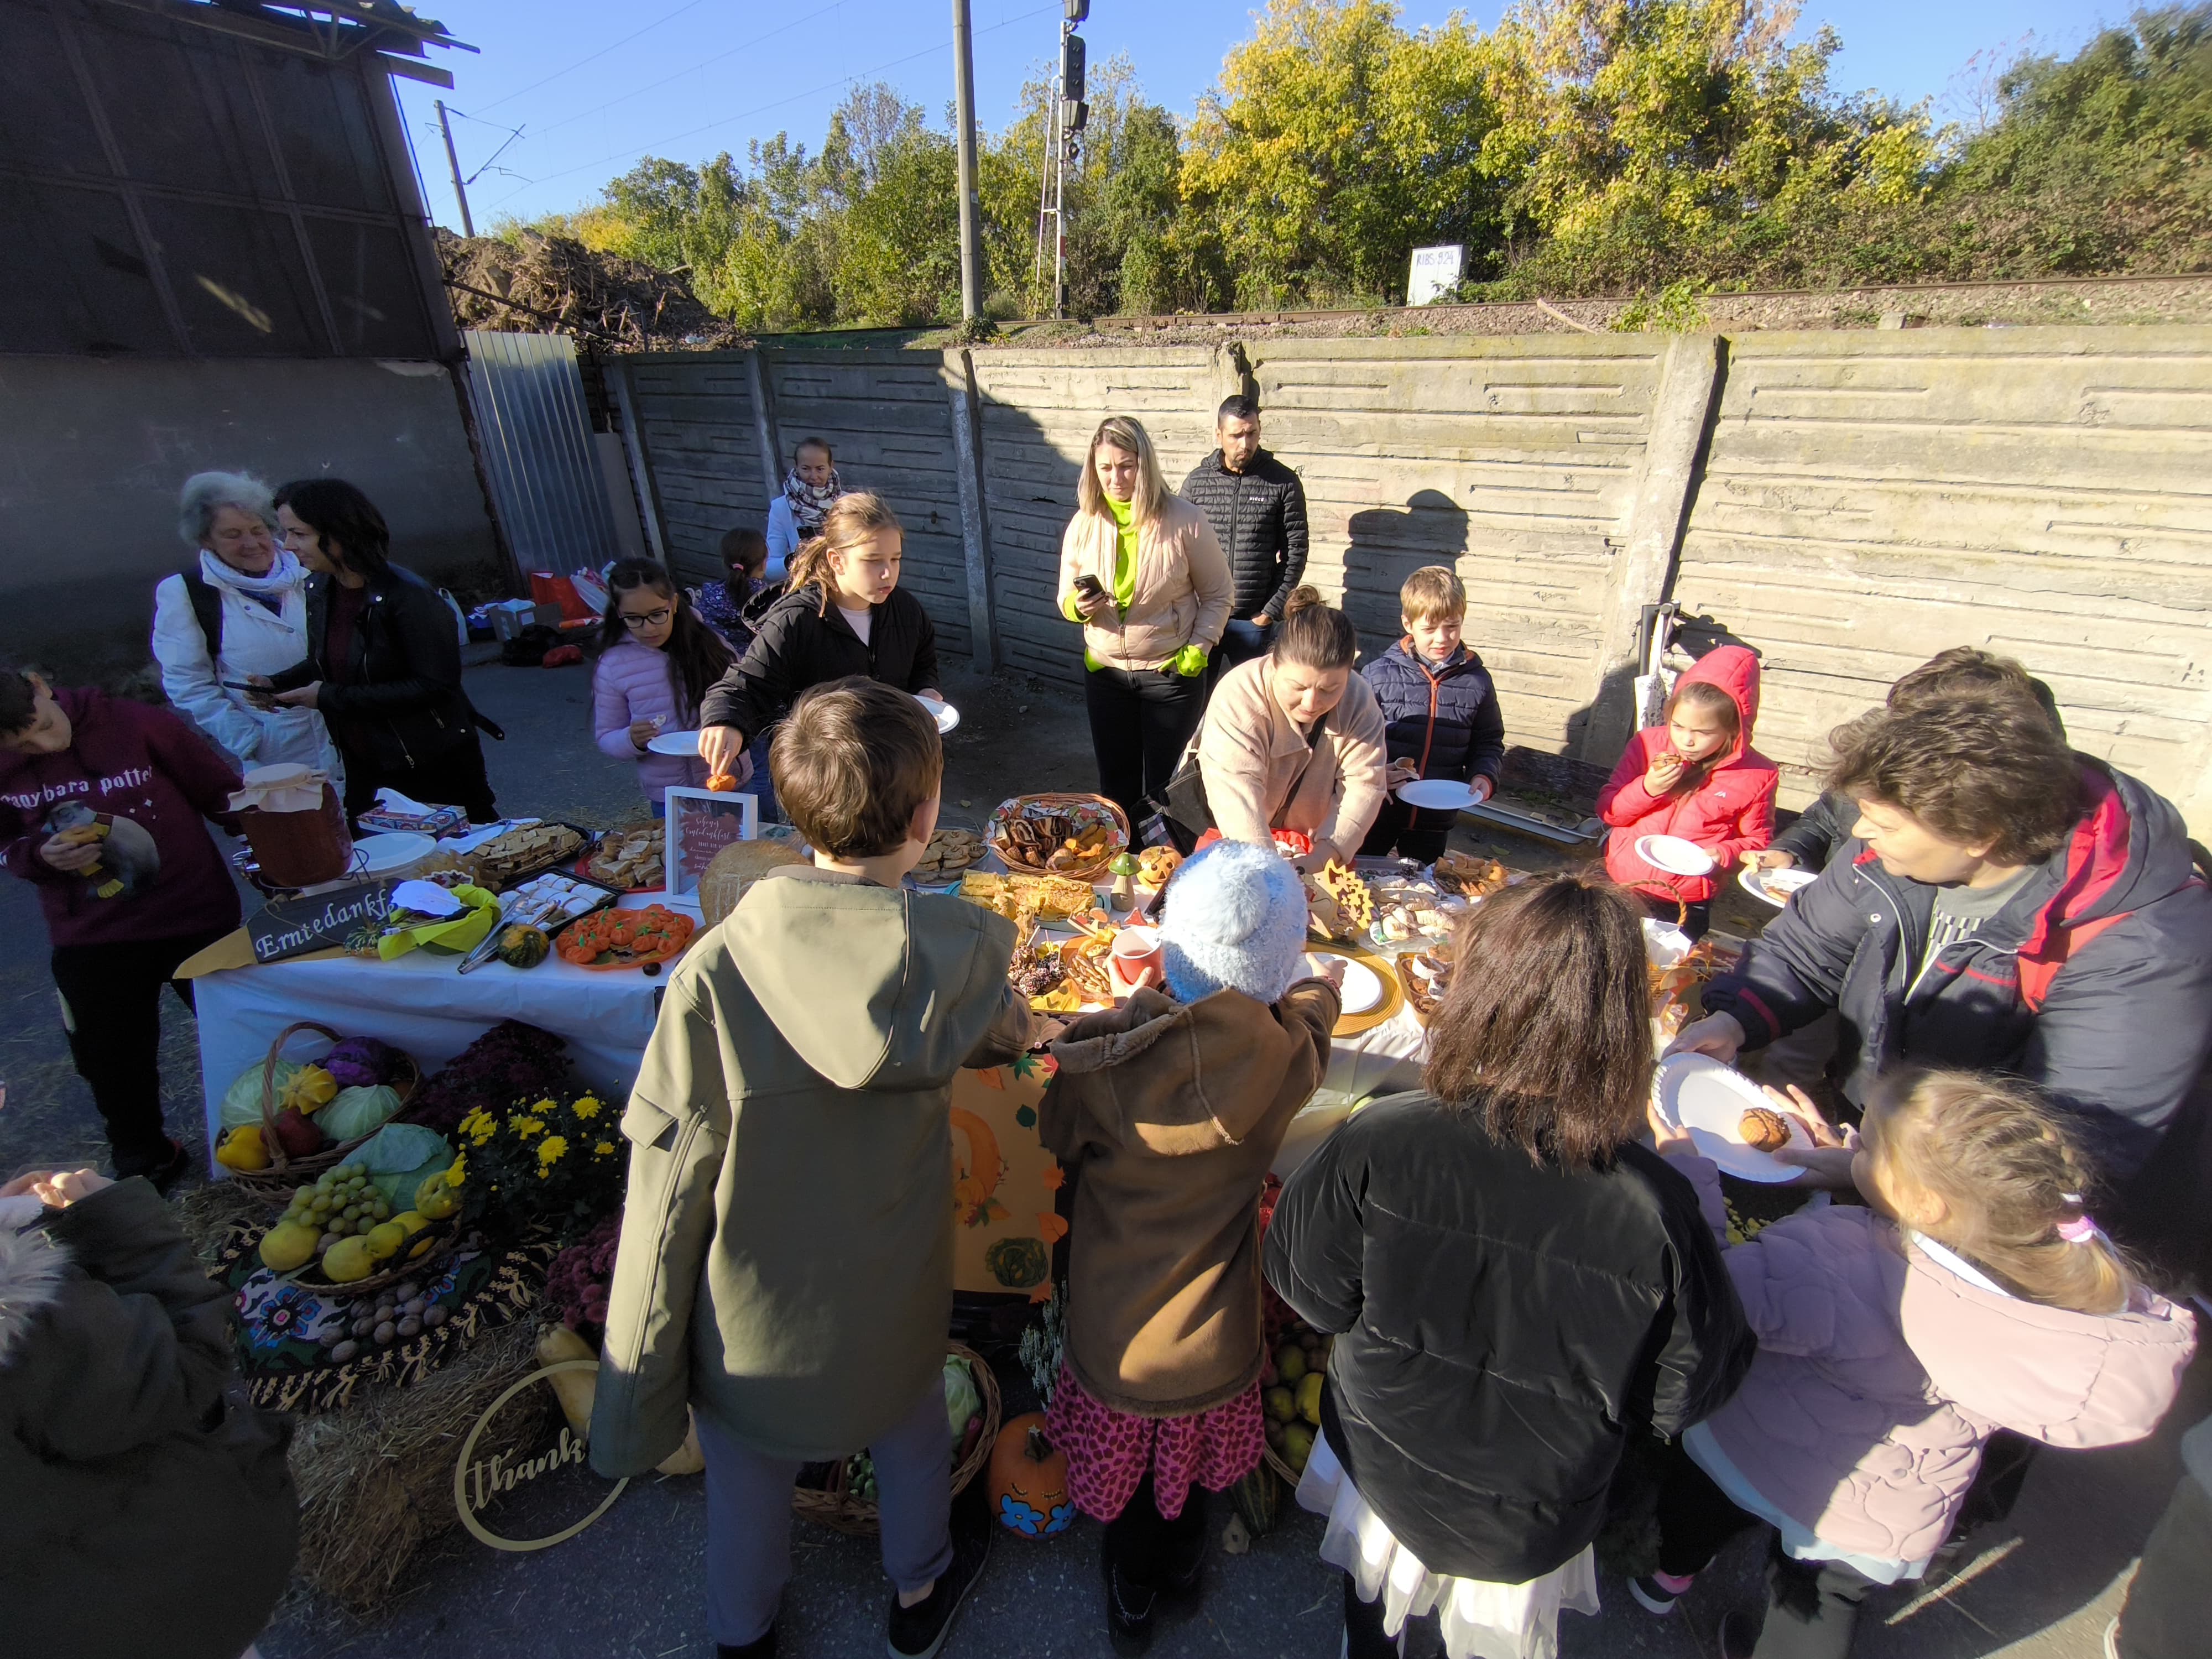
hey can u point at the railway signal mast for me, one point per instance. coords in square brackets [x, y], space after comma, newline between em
[1070, 115]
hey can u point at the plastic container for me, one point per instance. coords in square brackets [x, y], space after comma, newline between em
[547, 588]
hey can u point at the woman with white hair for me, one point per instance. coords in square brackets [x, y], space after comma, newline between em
[1141, 570]
[241, 611]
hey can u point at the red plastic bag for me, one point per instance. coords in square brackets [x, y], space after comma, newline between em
[562, 655]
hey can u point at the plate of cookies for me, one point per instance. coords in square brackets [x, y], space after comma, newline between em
[1729, 1119]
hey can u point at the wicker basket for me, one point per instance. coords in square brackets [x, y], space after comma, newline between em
[274, 1185]
[1283, 1472]
[1117, 843]
[445, 1236]
[835, 1507]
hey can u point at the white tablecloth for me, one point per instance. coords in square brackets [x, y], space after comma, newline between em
[422, 1003]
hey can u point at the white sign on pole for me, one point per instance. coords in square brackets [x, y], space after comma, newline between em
[1435, 271]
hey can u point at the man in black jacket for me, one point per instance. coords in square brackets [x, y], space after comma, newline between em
[1257, 507]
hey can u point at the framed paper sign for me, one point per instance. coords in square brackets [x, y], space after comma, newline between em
[700, 823]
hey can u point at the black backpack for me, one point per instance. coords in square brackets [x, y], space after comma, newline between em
[207, 610]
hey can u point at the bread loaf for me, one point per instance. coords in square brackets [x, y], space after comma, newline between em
[737, 867]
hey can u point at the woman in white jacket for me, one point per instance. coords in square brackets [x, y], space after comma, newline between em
[255, 592]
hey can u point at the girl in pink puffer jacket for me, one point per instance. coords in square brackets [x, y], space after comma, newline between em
[1972, 1293]
[660, 660]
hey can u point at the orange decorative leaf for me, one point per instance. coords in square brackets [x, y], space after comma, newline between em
[1054, 1178]
[1050, 1227]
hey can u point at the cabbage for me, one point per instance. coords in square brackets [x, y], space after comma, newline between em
[241, 1101]
[961, 1399]
[361, 1063]
[357, 1112]
[399, 1158]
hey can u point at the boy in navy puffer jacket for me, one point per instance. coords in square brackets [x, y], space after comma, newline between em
[1442, 711]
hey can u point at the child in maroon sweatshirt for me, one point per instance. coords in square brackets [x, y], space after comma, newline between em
[101, 804]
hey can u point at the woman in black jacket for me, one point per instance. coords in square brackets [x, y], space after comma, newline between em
[383, 658]
[842, 613]
[1517, 1286]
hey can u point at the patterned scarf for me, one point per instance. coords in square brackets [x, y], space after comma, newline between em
[808, 504]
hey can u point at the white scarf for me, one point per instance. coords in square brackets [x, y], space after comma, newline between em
[285, 575]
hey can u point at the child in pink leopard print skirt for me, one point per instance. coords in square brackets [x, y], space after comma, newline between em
[1167, 1112]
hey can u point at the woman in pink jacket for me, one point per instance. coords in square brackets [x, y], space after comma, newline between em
[1696, 778]
[1972, 1292]
[660, 660]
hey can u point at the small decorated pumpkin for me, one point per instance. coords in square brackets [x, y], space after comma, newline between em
[522, 946]
[1029, 1480]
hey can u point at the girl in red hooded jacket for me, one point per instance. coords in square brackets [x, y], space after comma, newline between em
[1698, 778]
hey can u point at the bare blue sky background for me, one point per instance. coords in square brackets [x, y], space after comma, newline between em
[686, 79]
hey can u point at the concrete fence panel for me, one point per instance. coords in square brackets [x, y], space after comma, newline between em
[698, 428]
[1872, 498]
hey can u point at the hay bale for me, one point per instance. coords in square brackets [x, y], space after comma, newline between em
[376, 1480]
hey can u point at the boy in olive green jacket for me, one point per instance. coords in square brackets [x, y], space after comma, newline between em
[785, 1266]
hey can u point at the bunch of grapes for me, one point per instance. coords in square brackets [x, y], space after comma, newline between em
[341, 1202]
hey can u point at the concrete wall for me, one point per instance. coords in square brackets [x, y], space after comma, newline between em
[1846, 503]
[96, 448]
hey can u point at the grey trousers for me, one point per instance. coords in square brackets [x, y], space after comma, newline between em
[2170, 1603]
[748, 1517]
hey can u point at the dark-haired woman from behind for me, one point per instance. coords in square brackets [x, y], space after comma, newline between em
[1294, 739]
[383, 658]
[660, 661]
[1517, 1285]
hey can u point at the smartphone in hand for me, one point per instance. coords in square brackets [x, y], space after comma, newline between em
[1087, 587]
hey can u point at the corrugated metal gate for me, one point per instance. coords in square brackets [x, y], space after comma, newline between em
[535, 437]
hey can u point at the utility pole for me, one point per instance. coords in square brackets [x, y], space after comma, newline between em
[1063, 148]
[453, 160]
[971, 238]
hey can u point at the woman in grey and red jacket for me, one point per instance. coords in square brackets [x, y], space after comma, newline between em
[2008, 905]
[1972, 1292]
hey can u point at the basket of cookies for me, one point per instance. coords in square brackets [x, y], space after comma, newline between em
[1063, 835]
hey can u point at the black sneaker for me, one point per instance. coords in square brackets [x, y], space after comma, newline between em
[918, 1632]
[1130, 1610]
[1656, 1593]
[166, 1171]
[761, 1647]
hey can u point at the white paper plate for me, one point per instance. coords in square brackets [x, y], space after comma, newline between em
[947, 716]
[1674, 855]
[380, 855]
[1776, 886]
[1439, 794]
[1362, 987]
[1699, 1094]
[684, 744]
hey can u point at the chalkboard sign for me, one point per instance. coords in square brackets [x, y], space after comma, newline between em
[293, 927]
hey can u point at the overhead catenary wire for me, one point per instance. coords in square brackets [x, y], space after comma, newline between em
[761, 109]
[593, 57]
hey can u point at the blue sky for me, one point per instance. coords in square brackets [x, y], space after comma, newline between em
[688, 78]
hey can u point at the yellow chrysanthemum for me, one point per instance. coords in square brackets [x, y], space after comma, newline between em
[459, 1171]
[552, 1150]
[604, 1149]
[587, 1109]
[525, 1125]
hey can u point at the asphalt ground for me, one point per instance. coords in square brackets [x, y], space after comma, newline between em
[2045, 1584]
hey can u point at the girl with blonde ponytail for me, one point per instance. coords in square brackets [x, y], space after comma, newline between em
[842, 613]
[1973, 1291]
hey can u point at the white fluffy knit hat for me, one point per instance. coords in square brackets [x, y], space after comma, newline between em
[1235, 918]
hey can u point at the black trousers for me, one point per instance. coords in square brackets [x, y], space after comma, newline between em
[112, 1009]
[1140, 722]
[1812, 1606]
[2169, 1606]
[453, 779]
[1398, 828]
[1157, 1553]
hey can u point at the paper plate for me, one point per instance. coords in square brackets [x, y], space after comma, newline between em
[1775, 886]
[1674, 855]
[684, 744]
[1708, 1099]
[947, 716]
[380, 855]
[1363, 986]
[1439, 794]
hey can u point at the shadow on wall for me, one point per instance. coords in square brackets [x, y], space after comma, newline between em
[1388, 544]
[1581, 771]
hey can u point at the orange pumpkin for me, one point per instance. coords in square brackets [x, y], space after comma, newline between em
[1029, 1480]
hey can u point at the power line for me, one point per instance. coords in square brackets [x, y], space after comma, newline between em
[687, 5]
[762, 109]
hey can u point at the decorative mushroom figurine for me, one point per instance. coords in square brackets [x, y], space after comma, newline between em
[1124, 871]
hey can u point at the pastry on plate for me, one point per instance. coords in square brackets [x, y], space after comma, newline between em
[1763, 1129]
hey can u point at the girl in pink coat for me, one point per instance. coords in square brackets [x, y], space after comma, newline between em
[1696, 778]
[660, 660]
[1972, 1292]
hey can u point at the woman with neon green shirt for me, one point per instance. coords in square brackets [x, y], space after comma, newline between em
[1141, 570]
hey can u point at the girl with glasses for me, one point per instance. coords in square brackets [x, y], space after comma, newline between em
[658, 660]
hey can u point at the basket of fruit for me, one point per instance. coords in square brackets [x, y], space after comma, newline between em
[341, 1236]
[291, 1147]
[1290, 1398]
[626, 939]
[845, 1499]
[1073, 836]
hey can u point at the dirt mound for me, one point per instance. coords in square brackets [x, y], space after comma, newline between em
[536, 283]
